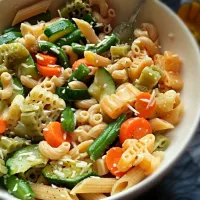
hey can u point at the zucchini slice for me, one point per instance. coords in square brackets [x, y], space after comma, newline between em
[103, 84]
[59, 29]
[73, 172]
[9, 37]
[24, 159]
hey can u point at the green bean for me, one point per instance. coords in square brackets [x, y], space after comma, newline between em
[80, 73]
[79, 49]
[75, 36]
[19, 188]
[56, 51]
[68, 121]
[109, 135]
[105, 44]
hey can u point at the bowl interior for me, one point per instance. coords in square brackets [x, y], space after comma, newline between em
[183, 44]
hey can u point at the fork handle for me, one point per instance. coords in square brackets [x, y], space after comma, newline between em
[136, 11]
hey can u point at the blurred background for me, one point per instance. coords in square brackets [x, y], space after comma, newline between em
[183, 182]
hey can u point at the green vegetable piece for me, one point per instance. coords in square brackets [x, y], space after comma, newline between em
[74, 36]
[30, 125]
[161, 143]
[79, 49]
[68, 120]
[91, 20]
[103, 84]
[77, 8]
[12, 29]
[18, 89]
[72, 174]
[149, 78]
[24, 159]
[105, 44]
[19, 188]
[15, 57]
[30, 70]
[119, 51]
[69, 94]
[80, 73]
[9, 37]
[109, 135]
[59, 29]
[10, 145]
[3, 168]
[56, 51]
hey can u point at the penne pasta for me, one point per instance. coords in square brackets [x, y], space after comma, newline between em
[31, 11]
[93, 196]
[96, 60]
[45, 192]
[87, 31]
[160, 125]
[131, 178]
[94, 185]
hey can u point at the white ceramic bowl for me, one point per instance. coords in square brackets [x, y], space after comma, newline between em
[183, 44]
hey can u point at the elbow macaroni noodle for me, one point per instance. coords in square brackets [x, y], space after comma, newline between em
[54, 153]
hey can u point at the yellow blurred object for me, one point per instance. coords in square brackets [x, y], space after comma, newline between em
[190, 14]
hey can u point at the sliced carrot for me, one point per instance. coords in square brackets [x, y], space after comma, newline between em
[2, 126]
[54, 134]
[44, 59]
[112, 158]
[142, 107]
[79, 62]
[134, 128]
[49, 71]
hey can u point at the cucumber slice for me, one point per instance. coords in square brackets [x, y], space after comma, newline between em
[72, 174]
[59, 29]
[69, 94]
[9, 37]
[56, 51]
[103, 84]
[24, 159]
[68, 120]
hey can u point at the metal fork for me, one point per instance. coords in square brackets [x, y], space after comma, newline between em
[125, 30]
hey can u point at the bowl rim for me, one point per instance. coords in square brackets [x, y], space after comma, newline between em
[157, 175]
[151, 180]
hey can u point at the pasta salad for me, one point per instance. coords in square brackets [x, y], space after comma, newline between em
[83, 114]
